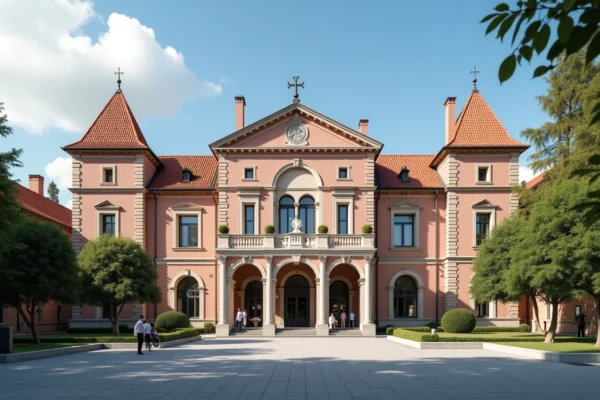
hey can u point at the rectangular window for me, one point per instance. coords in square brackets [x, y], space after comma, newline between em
[404, 229]
[59, 311]
[482, 174]
[108, 224]
[248, 219]
[548, 311]
[343, 173]
[188, 231]
[343, 219]
[108, 175]
[482, 227]
[482, 310]
[248, 173]
[39, 314]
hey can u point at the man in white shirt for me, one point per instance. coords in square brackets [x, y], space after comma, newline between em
[138, 331]
[239, 318]
[332, 322]
[147, 332]
[352, 316]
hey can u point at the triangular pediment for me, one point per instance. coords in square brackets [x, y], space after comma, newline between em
[485, 204]
[107, 205]
[296, 127]
[186, 207]
[404, 204]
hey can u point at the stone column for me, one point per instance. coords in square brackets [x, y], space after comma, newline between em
[311, 318]
[322, 327]
[282, 307]
[222, 325]
[269, 323]
[368, 327]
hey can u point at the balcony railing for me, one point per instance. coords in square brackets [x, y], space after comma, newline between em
[296, 241]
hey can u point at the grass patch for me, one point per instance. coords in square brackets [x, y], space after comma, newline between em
[559, 347]
[103, 338]
[493, 337]
[27, 347]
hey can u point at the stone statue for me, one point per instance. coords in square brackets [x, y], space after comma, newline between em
[296, 224]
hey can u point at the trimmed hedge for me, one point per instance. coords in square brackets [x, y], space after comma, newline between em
[209, 327]
[122, 329]
[223, 229]
[322, 229]
[172, 320]
[423, 337]
[367, 229]
[416, 336]
[269, 229]
[164, 337]
[459, 320]
[478, 329]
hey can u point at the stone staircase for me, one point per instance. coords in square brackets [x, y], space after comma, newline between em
[247, 332]
[346, 332]
[296, 332]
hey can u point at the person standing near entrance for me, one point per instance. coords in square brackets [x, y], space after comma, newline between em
[580, 321]
[245, 318]
[352, 316]
[332, 322]
[138, 331]
[239, 318]
[343, 319]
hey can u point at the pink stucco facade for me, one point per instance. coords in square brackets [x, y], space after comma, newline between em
[411, 264]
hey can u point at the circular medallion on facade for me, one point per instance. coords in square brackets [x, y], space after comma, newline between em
[296, 132]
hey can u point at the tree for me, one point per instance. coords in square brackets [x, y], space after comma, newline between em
[564, 102]
[9, 205]
[116, 271]
[493, 263]
[44, 268]
[53, 192]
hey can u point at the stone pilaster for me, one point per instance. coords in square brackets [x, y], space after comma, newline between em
[269, 323]
[368, 327]
[222, 325]
[514, 181]
[222, 182]
[370, 195]
[139, 208]
[450, 285]
[451, 224]
[322, 326]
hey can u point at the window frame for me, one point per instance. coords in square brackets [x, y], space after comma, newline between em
[107, 208]
[183, 210]
[103, 217]
[312, 207]
[103, 169]
[287, 207]
[488, 180]
[483, 207]
[40, 314]
[347, 169]
[406, 208]
[246, 219]
[478, 224]
[403, 224]
[180, 216]
[249, 168]
[343, 197]
[338, 219]
[189, 174]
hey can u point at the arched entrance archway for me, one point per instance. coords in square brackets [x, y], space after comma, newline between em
[254, 302]
[188, 297]
[296, 302]
[339, 298]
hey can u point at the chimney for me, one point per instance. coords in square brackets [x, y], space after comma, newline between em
[363, 126]
[450, 105]
[240, 105]
[36, 184]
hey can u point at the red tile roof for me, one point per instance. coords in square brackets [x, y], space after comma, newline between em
[43, 207]
[478, 126]
[387, 170]
[532, 184]
[115, 127]
[203, 170]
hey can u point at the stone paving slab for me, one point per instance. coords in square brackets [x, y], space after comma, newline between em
[296, 369]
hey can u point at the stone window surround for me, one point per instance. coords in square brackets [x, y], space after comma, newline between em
[348, 176]
[249, 167]
[186, 209]
[109, 209]
[173, 291]
[249, 199]
[488, 180]
[341, 198]
[483, 207]
[406, 208]
[103, 168]
[420, 293]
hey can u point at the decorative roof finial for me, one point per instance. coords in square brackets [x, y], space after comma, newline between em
[475, 72]
[118, 74]
[296, 85]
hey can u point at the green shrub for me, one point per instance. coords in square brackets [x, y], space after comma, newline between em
[367, 228]
[125, 329]
[416, 336]
[491, 329]
[223, 229]
[90, 330]
[432, 325]
[269, 229]
[322, 229]
[524, 328]
[209, 327]
[179, 334]
[459, 320]
[171, 320]
[389, 330]
[424, 329]
[165, 337]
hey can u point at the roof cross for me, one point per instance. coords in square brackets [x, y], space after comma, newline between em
[475, 72]
[119, 73]
[296, 85]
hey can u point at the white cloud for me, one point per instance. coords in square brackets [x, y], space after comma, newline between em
[59, 171]
[69, 204]
[54, 76]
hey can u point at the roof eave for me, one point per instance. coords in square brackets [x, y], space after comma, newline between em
[438, 157]
[68, 149]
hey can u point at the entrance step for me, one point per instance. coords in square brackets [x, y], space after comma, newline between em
[346, 332]
[247, 332]
[295, 332]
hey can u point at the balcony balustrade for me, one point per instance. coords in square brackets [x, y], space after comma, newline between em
[295, 241]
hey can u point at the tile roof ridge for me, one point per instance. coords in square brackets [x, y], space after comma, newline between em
[133, 121]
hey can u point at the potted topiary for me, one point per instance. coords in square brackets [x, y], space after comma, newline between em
[322, 229]
[269, 229]
[223, 229]
[367, 228]
[433, 326]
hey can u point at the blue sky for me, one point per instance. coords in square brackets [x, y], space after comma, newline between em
[391, 62]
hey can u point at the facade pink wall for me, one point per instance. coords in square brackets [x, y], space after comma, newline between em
[467, 169]
[89, 223]
[91, 171]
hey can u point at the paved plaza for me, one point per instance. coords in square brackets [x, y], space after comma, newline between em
[296, 368]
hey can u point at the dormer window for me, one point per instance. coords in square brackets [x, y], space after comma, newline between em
[187, 176]
[404, 175]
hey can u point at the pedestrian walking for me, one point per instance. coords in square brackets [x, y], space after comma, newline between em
[352, 316]
[239, 317]
[580, 321]
[138, 331]
[343, 319]
[147, 333]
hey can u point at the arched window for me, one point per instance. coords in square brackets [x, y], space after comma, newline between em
[286, 214]
[405, 298]
[307, 214]
[188, 297]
